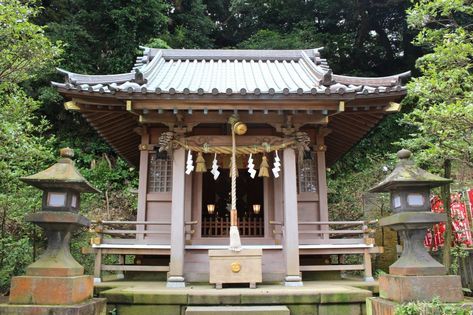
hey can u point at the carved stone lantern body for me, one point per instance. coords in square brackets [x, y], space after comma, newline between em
[415, 275]
[59, 217]
[409, 187]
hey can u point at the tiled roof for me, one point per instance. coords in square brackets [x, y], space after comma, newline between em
[231, 72]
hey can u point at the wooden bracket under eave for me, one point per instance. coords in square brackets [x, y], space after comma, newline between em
[393, 107]
[340, 109]
[341, 106]
[71, 105]
[129, 108]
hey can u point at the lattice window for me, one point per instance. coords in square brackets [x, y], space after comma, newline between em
[159, 174]
[307, 176]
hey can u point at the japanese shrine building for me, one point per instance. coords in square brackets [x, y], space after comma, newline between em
[281, 95]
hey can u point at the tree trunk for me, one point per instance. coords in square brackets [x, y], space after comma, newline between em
[447, 260]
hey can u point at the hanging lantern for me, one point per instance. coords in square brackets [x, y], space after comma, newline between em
[211, 208]
[256, 208]
[200, 164]
[263, 169]
[161, 154]
[308, 155]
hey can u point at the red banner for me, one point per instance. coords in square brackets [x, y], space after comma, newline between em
[460, 223]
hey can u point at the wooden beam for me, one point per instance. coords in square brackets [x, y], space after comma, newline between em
[134, 268]
[332, 267]
[393, 107]
[71, 105]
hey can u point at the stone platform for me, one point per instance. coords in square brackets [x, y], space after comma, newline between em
[315, 297]
[89, 307]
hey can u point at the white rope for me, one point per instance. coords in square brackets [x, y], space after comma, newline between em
[233, 188]
[235, 242]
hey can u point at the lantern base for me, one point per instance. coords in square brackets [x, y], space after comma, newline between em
[89, 307]
[51, 290]
[420, 288]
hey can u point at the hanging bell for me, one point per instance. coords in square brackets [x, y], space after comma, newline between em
[200, 164]
[263, 169]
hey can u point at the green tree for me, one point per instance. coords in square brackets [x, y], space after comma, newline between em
[25, 53]
[443, 117]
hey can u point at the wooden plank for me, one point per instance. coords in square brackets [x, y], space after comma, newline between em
[331, 222]
[135, 222]
[134, 268]
[332, 267]
[333, 232]
[134, 232]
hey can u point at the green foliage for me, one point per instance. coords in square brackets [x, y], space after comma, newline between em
[435, 307]
[24, 49]
[102, 36]
[23, 151]
[458, 252]
[360, 37]
[190, 25]
[268, 39]
[443, 117]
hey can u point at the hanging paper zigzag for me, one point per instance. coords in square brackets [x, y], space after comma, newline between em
[277, 163]
[251, 166]
[189, 163]
[214, 170]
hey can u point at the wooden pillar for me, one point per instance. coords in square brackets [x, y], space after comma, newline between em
[322, 178]
[143, 182]
[176, 266]
[98, 266]
[291, 226]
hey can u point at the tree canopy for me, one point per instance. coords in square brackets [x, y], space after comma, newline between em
[443, 116]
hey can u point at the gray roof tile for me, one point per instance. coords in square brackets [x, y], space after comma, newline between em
[182, 71]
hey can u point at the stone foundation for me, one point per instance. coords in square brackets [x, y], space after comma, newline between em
[314, 298]
[51, 290]
[420, 288]
[90, 307]
[379, 306]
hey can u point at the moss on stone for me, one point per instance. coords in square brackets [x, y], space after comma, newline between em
[342, 309]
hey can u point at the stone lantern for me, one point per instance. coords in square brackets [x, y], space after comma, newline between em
[415, 275]
[56, 281]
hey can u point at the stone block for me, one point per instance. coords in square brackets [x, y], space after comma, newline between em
[51, 290]
[303, 309]
[346, 296]
[166, 297]
[216, 298]
[420, 288]
[380, 306]
[237, 310]
[90, 307]
[280, 297]
[148, 309]
[342, 309]
[117, 295]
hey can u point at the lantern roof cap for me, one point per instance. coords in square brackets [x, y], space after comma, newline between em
[62, 175]
[408, 174]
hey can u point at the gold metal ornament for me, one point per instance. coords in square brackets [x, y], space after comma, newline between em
[240, 128]
[236, 267]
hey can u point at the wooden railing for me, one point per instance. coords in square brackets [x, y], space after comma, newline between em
[323, 228]
[344, 228]
[133, 229]
[220, 227]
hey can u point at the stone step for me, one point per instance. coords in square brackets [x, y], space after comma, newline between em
[237, 310]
